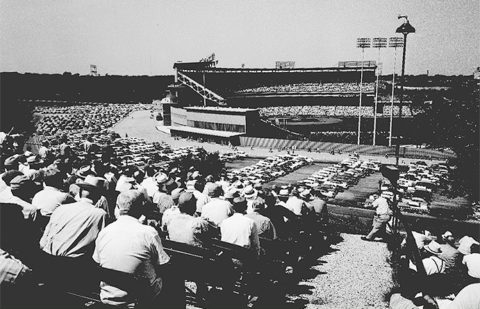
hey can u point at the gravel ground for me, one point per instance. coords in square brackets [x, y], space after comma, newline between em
[355, 274]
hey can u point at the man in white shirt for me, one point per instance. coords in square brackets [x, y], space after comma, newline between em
[217, 210]
[380, 220]
[239, 229]
[48, 199]
[472, 261]
[128, 246]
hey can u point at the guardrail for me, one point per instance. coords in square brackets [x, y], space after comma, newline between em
[406, 152]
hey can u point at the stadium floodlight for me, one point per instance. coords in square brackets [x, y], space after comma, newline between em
[404, 29]
[393, 42]
[378, 43]
[361, 43]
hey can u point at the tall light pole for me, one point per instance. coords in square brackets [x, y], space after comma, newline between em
[377, 43]
[393, 42]
[361, 43]
[404, 29]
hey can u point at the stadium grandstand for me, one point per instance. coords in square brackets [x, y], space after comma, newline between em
[202, 83]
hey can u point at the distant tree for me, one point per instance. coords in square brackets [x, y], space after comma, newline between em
[453, 123]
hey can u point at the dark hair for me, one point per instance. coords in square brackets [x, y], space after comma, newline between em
[239, 204]
[199, 185]
[53, 178]
[475, 248]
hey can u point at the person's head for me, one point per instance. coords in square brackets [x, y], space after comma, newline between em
[448, 238]
[138, 176]
[52, 177]
[283, 195]
[258, 204]
[215, 191]
[92, 188]
[199, 185]
[240, 205]
[187, 203]
[176, 194]
[23, 188]
[475, 248]
[9, 175]
[230, 195]
[131, 203]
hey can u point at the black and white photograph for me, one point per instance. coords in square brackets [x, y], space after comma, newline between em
[247, 154]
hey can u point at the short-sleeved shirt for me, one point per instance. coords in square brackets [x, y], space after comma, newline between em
[217, 210]
[381, 206]
[473, 264]
[49, 199]
[295, 205]
[72, 229]
[188, 229]
[241, 231]
[264, 225]
[130, 247]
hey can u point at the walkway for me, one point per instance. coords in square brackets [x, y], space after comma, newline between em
[356, 274]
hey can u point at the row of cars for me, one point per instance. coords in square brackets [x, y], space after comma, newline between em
[231, 156]
[416, 186]
[269, 169]
[341, 176]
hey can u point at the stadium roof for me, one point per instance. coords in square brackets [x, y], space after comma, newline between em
[225, 134]
[221, 109]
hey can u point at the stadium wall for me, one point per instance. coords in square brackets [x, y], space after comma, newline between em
[344, 148]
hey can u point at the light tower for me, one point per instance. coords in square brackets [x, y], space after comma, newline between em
[361, 43]
[377, 43]
[404, 29]
[394, 42]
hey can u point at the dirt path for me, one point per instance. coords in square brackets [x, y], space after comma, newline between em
[355, 274]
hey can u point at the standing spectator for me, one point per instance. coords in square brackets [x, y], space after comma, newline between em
[383, 214]
[128, 246]
[239, 229]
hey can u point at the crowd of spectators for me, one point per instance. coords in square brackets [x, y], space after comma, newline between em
[452, 268]
[74, 208]
[311, 88]
[333, 111]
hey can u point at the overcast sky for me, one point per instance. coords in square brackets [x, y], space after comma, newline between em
[144, 37]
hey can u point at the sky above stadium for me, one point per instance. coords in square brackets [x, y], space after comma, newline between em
[146, 37]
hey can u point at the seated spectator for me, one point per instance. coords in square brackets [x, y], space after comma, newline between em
[217, 210]
[73, 228]
[48, 199]
[198, 188]
[449, 253]
[186, 228]
[264, 225]
[295, 204]
[19, 191]
[282, 219]
[431, 262]
[130, 247]
[15, 280]
[239, 229]
[467, 298]
[472, 261]
[465, 243]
